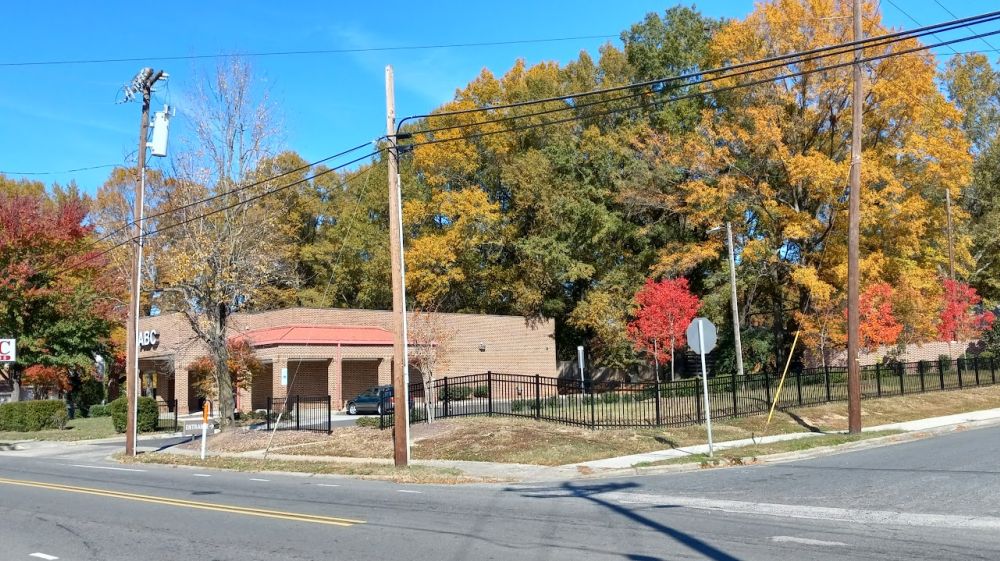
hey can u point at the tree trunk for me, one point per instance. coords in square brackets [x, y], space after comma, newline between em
[672, 378]
[224, 381]
[428, 397]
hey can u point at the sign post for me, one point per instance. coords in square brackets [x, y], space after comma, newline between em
[8, 350]
[702, 336]
[204, 428]
[579, 356]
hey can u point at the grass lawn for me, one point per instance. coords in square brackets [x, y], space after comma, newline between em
[412, 474]
[517, 440]
[77, 429]
[749, 454]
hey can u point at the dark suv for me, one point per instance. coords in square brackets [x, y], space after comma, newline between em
[373, 400]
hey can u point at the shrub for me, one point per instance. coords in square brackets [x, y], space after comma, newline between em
[370, 422]
[149, 414]
[454, 393]
[28, 416]
[59, 419]
[523, 405]
[89, 393]
[481, 391]
[945, 362]
[98, 410]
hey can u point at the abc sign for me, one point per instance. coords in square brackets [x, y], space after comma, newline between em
[8, 350]
[148, 339]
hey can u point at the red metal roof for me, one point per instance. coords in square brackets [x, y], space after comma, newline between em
[318, 335]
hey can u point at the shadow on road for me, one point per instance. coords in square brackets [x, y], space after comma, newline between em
[592, 493]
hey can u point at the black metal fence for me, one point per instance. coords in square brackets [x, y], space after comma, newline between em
[300, 412]
[680, 402]
[167, 419]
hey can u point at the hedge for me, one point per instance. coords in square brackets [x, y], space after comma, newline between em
[455, 393]
[99, 410]
[28, 416]
[149, 414]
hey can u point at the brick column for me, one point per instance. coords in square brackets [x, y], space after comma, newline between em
[334, 382]
[184, 401]
[277, 389]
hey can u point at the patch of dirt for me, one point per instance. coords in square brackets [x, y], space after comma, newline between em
[241, 440]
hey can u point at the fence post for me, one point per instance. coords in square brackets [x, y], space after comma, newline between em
[593, 405]
[798, 384]
[993, 372]
[538, 396]
[958, 368]
[268, 413]
[697, 399]
[329, 414]
[975, 365]
[920, 370]
[901, 372]
[826, 374]
[767, 389]
[489, 392]
[297, 416]
[878, 379]
[447, 396]
[732, 386]
[659, 417]
[175, 416]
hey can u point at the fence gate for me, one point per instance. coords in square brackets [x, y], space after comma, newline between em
[300, 412]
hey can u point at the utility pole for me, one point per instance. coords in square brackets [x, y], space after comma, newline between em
[142, 84]
[853, 242]
[400, 384]
[951, 239]
[733, 302]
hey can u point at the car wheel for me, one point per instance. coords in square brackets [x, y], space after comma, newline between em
[352, 409]
[378, 410]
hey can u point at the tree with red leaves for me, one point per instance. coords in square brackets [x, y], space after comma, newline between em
[56, 296]
[879, 325]
[666, 308]
[960, 319]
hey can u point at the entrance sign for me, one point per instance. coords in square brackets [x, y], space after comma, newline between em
[702, 336]
[8, 350]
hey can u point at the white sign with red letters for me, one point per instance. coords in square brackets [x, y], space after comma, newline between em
[8, 350]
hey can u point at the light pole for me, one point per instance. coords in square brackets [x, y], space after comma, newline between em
[732, 296]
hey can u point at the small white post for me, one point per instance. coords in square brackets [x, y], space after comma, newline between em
[704, 382]
[204, 428]
[579, 358]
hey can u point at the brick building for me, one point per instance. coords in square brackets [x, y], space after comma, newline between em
[340, 352]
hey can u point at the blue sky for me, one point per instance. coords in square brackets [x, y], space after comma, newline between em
[62, 117]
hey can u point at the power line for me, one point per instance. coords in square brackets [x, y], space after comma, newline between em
[239, 189]
[222, 209]
[944, 26]
[830, 51]
[702, 93]
[60, 172]
[893, 4]
[952, 14]
[307, 52]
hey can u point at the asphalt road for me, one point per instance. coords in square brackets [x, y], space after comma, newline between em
[935, 499]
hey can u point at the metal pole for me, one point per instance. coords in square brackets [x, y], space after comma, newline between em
[401, 413]
[704, 382]
[579, 358]
[853, 240]
[733, 302]
[951, 239]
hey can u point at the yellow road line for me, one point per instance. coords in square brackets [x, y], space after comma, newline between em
[294, 516]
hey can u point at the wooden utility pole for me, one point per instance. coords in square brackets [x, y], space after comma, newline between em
[853, 241]
[143, 83]
[951, 239]
[732, 301]
[401, 410]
